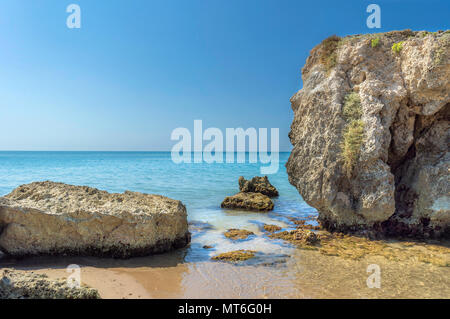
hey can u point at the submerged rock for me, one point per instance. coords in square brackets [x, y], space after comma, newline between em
[47, 218]
[370, 133]
[248, 201]
[299, 237]
[257, 185]
[271, 228]
[238, 233]
[198, 226]
[238, 255]
[302, 223]
[358, 246]
[21, 285]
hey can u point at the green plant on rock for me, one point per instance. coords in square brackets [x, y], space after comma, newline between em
[328, 52]
[374, 42]
[352, 107]
[397, 47]
[351, 146]
[353, 136]
[438, 54]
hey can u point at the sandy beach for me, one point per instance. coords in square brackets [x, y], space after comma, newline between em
[305, 274]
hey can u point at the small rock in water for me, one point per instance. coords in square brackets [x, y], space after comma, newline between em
[299, 237]
[237, 255]
[248, 201]
[257, 185]
[238, 234]
[198, 226]
[271, 228]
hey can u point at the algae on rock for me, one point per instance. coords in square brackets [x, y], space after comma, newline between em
[234, 256]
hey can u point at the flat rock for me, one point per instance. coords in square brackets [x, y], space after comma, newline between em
[234, 256]
[48, 218]
[235, 234]
[257, 185]
[271, 228]
[299, 236]
[248, 201]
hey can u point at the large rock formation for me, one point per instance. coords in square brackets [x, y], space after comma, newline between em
[371, 133]
[54, 218]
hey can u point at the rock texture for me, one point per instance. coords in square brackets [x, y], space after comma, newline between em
[254, 195]
[235, 256]
[248, 201]
[271, 228]
[236, 234]
[257, 185]
[53, 218]
[383, 101]
[20, 285]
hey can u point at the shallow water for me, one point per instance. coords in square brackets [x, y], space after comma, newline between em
[279, 270]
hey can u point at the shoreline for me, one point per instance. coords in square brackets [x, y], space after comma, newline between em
[305, 274]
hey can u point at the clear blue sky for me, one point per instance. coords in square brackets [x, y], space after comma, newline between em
[138, 69]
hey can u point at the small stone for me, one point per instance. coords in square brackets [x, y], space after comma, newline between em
[238, 234]
[301, 237]
[238, 255]
[248, 201]
[271, 228]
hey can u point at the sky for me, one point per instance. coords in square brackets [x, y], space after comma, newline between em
[136, 70]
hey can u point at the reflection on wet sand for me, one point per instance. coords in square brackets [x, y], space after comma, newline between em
[321, 276]
[305, 274]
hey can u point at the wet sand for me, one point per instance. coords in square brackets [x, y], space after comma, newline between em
[303, 274]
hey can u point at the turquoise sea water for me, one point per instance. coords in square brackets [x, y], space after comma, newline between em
[200, 186]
